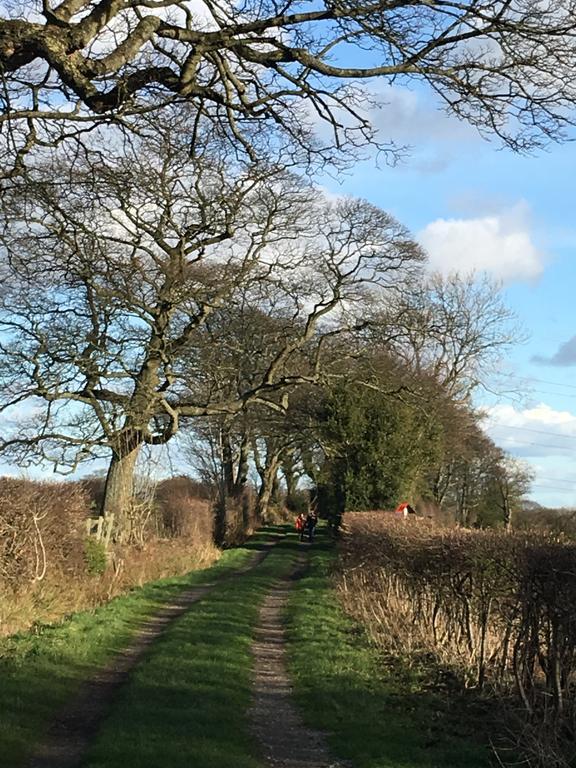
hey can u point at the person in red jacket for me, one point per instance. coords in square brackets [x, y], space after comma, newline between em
[300, 525]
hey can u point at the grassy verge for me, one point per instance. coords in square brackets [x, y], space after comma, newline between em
[377, 715]
[41, 669]
[186, 705]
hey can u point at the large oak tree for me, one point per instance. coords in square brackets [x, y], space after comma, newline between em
[504, 65]
[112, 278]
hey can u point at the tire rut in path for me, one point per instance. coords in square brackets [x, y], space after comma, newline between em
[286, 742]
[75, 726]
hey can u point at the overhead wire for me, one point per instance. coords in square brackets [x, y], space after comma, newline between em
[542, 381]
[540, 445]
[551, 484]
[554, 480]
[557, 394]
[552, 488]
[529, 429]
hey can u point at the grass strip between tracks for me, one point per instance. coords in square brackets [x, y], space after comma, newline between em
[186, 704]
[41, 669]
[375, 715]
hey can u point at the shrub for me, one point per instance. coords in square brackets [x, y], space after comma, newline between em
[50, 600]
[185, 510]
[48, 568]
[94, 487]
[95, 555]
[298, 501]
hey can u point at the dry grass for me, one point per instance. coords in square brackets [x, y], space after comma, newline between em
[496, 611]
[60, 595]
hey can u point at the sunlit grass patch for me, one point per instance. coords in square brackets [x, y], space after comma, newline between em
[41, 669]
[187, 704]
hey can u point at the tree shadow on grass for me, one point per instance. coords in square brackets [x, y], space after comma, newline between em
[378, 728]
[376, 715]
[264, 536]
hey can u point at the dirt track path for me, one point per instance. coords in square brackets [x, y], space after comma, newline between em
[286, 742]
[75, 726]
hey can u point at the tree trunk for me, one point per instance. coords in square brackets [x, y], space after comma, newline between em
[288, 470]
[243, 465]
[507, 514]
[119, 487]
[463, 505]
[235, 465]
[275, 495]
[227, 461]
[264, 496]
[441, 484]
[269, 480]
[220, 520]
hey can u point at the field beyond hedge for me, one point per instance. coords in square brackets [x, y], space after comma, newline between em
[491, 611]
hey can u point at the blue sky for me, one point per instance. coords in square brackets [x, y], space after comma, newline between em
[476, 205]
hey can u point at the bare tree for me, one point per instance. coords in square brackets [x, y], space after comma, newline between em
[456, 329]
[468, 464]
[478, 481]
[511, 480]
[507, 67]
[113, 276]
[218, 449]
[239, 344]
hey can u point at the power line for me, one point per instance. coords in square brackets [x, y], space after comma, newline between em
[516, 397]
[542, 445]
[529, 429]
[544, 381]
[555, 479]
[557, 394]
[553, 488]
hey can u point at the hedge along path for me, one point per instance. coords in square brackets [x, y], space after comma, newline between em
[285, 741]
[73, 729]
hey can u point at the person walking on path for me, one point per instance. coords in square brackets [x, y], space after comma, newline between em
[310, 524]
[301, 521]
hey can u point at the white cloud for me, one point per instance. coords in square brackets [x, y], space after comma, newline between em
[412, 116]
[546, 439]
[537, 431]
[24, 411]
[412, 122]
[499, 244]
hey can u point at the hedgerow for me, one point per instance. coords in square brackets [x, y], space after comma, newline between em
[498, 610]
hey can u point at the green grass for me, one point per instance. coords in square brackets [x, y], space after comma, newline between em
[376, 715]
[186, 705]
[41, 669]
